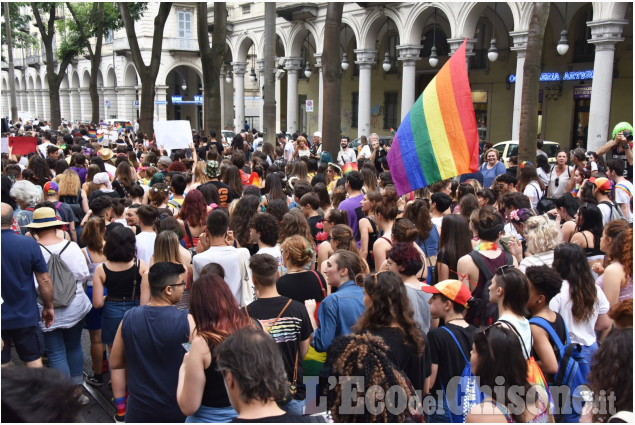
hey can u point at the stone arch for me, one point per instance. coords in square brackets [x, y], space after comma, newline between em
[420, 17]
[30, 83]
[297, 36]
[75, 80]
[354, 26]
[45, 81]
[130, 78]
[373, 25]
[502, 15]
[243, 46]
[613, 10]
[38, 83]
[85, 79]
[111, 77]
[164, 75]
[64, 83]
[468, 18]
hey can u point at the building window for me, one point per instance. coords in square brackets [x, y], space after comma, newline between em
[391, 99]
[185, 23]
[583, 51]
[246, 8]
[108, 36]
[354, 108]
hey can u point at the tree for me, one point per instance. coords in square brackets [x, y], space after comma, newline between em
[332, 77]
[47, 32]
[20, 37]
[269, 88]
[211, 61]
[147, 73]
[531, 84]
[9, 39]
[92, 20]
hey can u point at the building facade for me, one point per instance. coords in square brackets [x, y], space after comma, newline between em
[584, 92]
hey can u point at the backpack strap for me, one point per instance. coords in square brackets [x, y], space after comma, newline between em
[321, 285]
[45, 248]
[189, 234]
[522, 341]
[63, 249]
[457, 343]
[544, 324]
[482, 266]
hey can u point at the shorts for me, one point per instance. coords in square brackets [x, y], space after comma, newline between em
[112, 313]
[92, 321]
[28, 342]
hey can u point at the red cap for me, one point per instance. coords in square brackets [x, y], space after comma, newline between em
[452, 289]
[602, 183]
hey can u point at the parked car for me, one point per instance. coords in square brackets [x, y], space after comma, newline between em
[510, 148]
[228, 135]
[355, 143]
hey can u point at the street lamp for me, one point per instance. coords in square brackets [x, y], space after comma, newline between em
[344, 61]
[492, 53]
[307, 70]
[563, 43]
[228, 78]
[434, 60]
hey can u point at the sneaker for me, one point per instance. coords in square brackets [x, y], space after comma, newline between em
[83, 400]
[95, 380]
[120, 418]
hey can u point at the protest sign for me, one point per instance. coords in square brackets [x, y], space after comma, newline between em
[23, 145]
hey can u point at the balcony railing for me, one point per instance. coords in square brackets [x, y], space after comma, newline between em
[183, 44]
[120, 44]
[33, 60]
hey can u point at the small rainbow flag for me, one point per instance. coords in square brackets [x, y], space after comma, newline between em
[128, 126]
[92, 134]
[438, 139]
[100, 137]
[348, 167]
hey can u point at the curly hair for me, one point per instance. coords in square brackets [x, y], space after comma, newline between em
[407, 258]
[278, 208]
[268, 226]
[615, 354]
[622, 314]
[621, 247]
[26, 192]
[158, 194]
[245, 209]
[388, 205]
[299, 250]
[569, 260]
[40, 169]
[542, 235]
[194, 209]
[365, 355]
[294, 223]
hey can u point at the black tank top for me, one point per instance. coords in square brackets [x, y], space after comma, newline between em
[372, 237]
[214, 394]
[120, 284]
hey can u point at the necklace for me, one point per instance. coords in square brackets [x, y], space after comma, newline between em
[486, 246]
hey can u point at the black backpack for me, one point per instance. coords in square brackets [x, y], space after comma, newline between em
[484, 313]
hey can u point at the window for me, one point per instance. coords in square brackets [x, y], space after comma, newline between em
[246, 8]
[108, 36]
[583, 51]
[390, 109]
[391, 47]
[354, 109]
[185, 23]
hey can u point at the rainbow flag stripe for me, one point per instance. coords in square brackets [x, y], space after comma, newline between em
[128, 126]
[92, 134]
[100, 137]
[348, 167]
[438, 138]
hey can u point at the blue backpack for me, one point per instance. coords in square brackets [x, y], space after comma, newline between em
[572, 368]
[467, 392]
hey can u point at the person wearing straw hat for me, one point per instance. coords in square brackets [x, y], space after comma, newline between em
[106, 155]
[63, 339]
[21, 259]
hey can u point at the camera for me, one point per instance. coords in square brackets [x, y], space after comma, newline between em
[383, 143]
[628, 135]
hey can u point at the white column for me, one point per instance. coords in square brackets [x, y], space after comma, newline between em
[365, 59]
[65, 104]
[455, 43]
[240, 68]
[76, 105]
[292, 66]
[279, 76]
[160, 111]
[260, 70]
[604, 34]
[85, 104]
[409, 55]
[520, 47]
[318, 65]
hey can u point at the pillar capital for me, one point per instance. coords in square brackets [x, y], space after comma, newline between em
[409, 53]
[260, 65]
[293, 63]
[318, 59]
[455, 43]
[519, 39]
[239, 67]
[606, 33]
[365, 57]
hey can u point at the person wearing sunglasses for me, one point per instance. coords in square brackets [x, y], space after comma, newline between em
[559, 176]
[148, 345]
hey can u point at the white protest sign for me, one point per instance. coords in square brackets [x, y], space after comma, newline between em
[173, 134]
[5, 145]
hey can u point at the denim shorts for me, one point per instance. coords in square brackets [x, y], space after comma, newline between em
[112, 313]
[28, 342]
[206, 414]
[92, 321]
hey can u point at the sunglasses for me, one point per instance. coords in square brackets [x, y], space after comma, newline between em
[502, 269]
[557, 181]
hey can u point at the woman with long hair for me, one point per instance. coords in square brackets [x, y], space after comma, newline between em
[273, 188]
[617, 279]
[530, 184]
[454, 243]
[166, 248]
[301, 171]
[93, 240]
[566, 208]
[589, 232]
[368, 226]
[428, 239]
[124, 179]
[370, 179]
[323, 194]
[41, 170]
[246, 208]
[496, 353]
[70, 192]
[88, 186]
[200, 177]
[342, 238]
[231, 177]
[294, 223]
[192, 217]
[331, 219]
[581, 303]
[333, 174]
[386, 212]
[201, 392]
[543, 168]
[302, 149]
[389, 315]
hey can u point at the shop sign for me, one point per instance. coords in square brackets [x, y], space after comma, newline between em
[582, 92]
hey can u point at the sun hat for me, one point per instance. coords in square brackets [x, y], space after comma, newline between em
[602, 183]
[45, 217]
[105, 154]
[317, 134]
[452, 289]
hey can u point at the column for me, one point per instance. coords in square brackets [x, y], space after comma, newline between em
[260, 69]
[160, 111]
[408, 55]
[455, 43]
[279, 76]
[520, 47]
[85, 104]
[65, 105]
[318, 65]
[292, 66]
[365, 59]
[46, 107]
[240, 68]
[604, 34]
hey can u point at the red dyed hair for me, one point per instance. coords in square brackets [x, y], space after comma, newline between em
[215, 310]
[194, 209]
[177, 166]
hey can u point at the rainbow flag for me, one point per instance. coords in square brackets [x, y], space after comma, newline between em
[128, 126]
[100, 137]
[348, 167]
[438, 139]
[92, 134]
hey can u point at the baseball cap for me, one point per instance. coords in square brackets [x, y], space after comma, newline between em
[51, 188]
[317, 134]
[602, 183]
[452, 289]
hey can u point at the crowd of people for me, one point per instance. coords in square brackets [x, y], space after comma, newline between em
[214, 280]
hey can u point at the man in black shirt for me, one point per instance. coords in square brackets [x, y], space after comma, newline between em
[287, 322]
[448, 302]
[212, 171]
[309, 204]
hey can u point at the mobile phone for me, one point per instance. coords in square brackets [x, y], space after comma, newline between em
[186, 346]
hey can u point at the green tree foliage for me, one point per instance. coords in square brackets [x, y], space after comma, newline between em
[20, 35]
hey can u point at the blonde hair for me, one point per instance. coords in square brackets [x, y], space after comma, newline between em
[498, 155]
[166, 248]
[299, 249]
[69, 183]
[199, 173]
[542, 235]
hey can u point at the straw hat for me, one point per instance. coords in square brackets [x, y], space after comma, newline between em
[45, 217]
[105, 154]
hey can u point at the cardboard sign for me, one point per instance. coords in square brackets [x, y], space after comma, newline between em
[173, 134]
[23, 145]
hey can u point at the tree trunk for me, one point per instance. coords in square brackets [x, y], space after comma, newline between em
[269, 84]
[95, 60]
[14, 100]
[148, 74]
[212, 60]
[531, 84]
[54, 102]
[332, 78]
